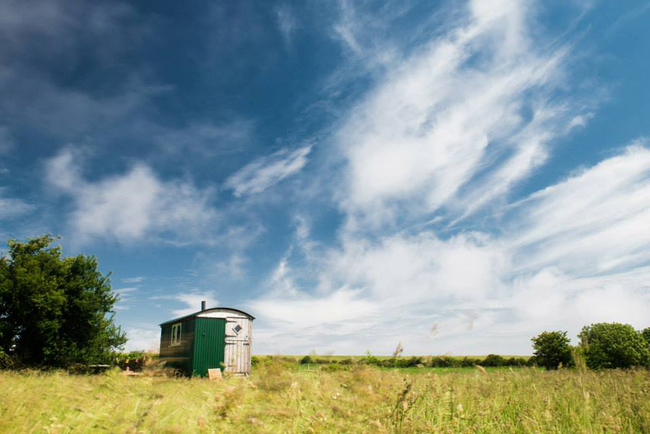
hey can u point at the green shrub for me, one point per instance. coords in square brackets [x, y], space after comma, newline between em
[469, 362]
[369, 359]
[444, 362]
[493, 360]
[515, 361]
[613, 345]
[307, 360]
[9, 362]
[335, 368]
[646, 335]
[552, 350]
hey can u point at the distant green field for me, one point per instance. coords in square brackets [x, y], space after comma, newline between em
[357, 357]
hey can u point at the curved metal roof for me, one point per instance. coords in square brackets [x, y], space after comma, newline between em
[207, 310]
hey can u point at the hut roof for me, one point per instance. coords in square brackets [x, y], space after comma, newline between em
[204, 311]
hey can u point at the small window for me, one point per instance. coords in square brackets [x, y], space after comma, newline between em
[176, 335]
[237, 329]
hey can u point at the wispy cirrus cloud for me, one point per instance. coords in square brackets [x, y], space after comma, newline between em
[594, 222]
[136, 279]
[287, 23]
[448, 131]
[267, 171]
[482, 92]
[12, 207]
[584, 260]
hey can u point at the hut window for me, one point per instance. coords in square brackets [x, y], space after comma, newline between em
[176, 335]
[237, 329]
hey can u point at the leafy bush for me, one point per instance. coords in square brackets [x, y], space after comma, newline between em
[335, 367]
[306, 360]
[369, 359]
[646, 335]
[134, 360]
[552, 350]
[8, 362]
[444, 362]
[613, 345]
[515, 361]
[469, 362]
[493, 360]
[406, 362]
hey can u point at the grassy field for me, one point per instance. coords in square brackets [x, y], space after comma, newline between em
[279, 398]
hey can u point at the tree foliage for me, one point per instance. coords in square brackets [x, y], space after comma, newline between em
[552, 349]
[646, 334]
[55, 311]
[613, 345]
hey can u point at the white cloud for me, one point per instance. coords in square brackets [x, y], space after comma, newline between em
[267, 171]
[11, 207]
[136, 279]
[570, 255]
[132, 206]
[448, 131]
[141, 338]
[286, 23]
[347, 28]
[420, 140]
[593, 222]
[193, 300]
[125, 297]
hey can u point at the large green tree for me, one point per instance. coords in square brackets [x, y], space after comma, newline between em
[552, 349]
[54, 310]
[613, 345]
[646, 334]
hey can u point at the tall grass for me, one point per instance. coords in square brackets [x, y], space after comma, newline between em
[281, 399]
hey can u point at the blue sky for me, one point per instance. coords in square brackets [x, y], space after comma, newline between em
[454, 176]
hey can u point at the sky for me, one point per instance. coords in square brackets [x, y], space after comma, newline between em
[457, 176]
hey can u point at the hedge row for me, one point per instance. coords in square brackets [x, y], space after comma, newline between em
[403, 362]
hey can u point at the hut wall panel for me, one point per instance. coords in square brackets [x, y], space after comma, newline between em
[178, 356]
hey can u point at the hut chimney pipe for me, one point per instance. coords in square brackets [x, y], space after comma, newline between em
[203, 305]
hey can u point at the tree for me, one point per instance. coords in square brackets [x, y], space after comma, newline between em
[55, 311]
[646, 335]
[552, 349]
[613, 345]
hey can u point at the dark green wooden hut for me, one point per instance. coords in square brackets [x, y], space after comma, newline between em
[210, 338]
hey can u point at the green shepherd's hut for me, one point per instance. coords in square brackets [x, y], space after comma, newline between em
[218, 337]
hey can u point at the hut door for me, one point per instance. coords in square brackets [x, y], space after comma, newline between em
[239, 352]
[209, 343]
[238, 349]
